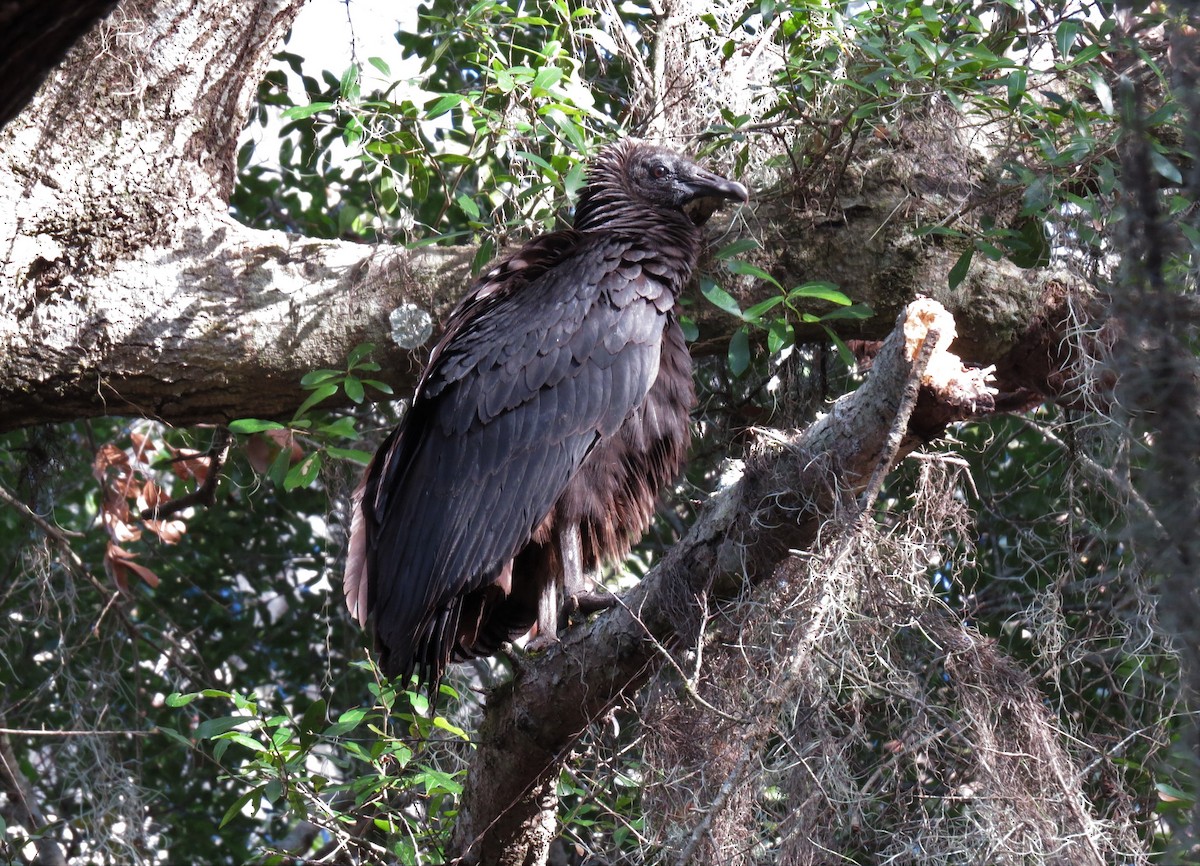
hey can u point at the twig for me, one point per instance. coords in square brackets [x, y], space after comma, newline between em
[59, 535]
[205, 493]
[1102, 473]
[34, 732]
[21, 795]
[76, 566]
[688, 687]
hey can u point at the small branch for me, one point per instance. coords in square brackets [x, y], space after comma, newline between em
[34, 732]
[204, 494]
[76, 566]
[25, 806]
[58, 536]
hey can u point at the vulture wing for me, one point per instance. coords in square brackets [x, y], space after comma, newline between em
[551, 352]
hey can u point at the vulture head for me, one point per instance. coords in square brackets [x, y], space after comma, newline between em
[634, 176]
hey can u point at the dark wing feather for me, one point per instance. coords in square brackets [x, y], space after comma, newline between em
[529, 377]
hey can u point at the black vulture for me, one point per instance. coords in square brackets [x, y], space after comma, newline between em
[551, 412]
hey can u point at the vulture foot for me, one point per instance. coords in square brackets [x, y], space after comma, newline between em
[584, 604]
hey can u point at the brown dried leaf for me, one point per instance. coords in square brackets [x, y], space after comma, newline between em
[141, 446]
[286, 439]
[170, 531]
[192, 465]
[261, 449]
[150, 496]
[108, 455]
[119, 561]
[258, 452]
[121, 530]
[198, 468]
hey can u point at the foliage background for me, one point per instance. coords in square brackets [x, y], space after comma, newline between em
[215, 696]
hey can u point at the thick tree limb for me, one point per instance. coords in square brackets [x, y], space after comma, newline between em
[745, 530]
[128, 290]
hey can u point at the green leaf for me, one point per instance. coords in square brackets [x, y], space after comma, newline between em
[382, 387]
[233, 811]
[739, 352]
[443, 105]
[780, 334]
[754, 313]
[468, 206]
[253, 425]
[321, 392]
[1064, 37]
[354, 388]
[959, 272]
[1103, 92]
[349, 83]
[437, 781]
[312, 723]
[343, 427]
[315, 377]
[741, 245]
[302, 111]
[172, 734]
[303, 473]
[353, 716]
[1016, 86]
[1165, 167]
[175, 699]
[439, 722]
[843, 350]
[719, 297]
[819, 290]
[690, 331]
[210, 728]
[1170, 794]
[380, 64]
[354, 359]
[546, 77]
[362, 458]
[536, 160]
[244, 740]
[1031, 247]
[746, 269]
[855, 311]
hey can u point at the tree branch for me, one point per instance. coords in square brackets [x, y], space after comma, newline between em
[772, 505]
[117, 300]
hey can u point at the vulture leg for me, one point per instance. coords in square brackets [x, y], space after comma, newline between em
[546, 630]
[578, 595]
[572, 586]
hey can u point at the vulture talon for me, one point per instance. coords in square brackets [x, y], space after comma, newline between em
[584, 604]
[552, 410]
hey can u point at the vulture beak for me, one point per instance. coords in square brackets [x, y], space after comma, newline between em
[708, 192]
[705, 184]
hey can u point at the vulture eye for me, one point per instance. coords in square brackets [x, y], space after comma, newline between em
[658, 171]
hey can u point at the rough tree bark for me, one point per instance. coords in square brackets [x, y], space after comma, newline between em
[747, 529]
[128, 289]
